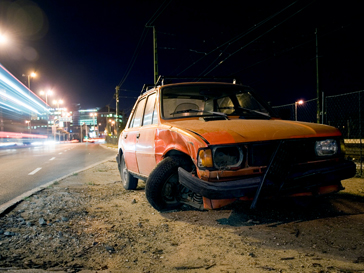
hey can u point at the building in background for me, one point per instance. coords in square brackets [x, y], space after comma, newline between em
[95, 123]
[107, 121]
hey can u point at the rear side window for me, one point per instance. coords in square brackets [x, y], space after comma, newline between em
[150, 115]
[138, 114]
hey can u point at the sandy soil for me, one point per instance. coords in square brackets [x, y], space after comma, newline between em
[88, 222]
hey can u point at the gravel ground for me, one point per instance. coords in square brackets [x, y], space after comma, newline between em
[88, 222]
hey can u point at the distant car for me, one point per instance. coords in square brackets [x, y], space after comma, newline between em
[75, 141]
[207, 144]
[91, 140]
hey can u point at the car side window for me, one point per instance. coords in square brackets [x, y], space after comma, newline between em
[138, 114]
[150, 113]
[155, 114]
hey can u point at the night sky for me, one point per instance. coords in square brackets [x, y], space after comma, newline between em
[83, 49]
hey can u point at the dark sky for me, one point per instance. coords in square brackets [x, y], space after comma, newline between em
[83, 49]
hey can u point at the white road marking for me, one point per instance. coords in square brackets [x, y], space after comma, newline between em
[35, 171]
[52, 158]
[60, 153]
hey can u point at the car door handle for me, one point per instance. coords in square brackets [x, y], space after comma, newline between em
[138, 135]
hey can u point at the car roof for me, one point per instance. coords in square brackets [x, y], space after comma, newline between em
[154, 88]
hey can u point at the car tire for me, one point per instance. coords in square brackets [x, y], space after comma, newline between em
[162, 186]
[129, 181]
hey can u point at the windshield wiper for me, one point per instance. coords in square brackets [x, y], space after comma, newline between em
[197, 111]
[246, 109]
[255, 111]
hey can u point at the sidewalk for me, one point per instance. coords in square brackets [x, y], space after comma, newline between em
[44, 218]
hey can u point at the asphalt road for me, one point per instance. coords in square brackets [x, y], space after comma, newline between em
[24, 169]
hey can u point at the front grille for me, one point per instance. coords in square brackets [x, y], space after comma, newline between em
[281, 165]
[301, 151]
[286, 157]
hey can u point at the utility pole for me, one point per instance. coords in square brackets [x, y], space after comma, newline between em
[117, 109]
[319, 98]
[155, 53]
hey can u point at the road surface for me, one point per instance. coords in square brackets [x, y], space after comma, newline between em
[24, 169]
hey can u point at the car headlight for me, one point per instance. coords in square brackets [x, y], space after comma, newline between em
[224, 157]
[326, 147]
[205, 158]
[227, 157]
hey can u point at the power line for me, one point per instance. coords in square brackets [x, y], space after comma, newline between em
[154, 17]
[241, 48]
[283, 51]
[238, 37]
[157, 13]
[135, 55]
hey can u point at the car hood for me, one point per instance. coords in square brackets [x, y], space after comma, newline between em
[243, 130]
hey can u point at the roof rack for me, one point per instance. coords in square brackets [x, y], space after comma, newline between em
[147, 87]
[162, 80]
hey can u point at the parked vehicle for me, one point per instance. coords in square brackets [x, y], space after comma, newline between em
[207, 144]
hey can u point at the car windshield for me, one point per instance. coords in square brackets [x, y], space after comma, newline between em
[212, 100]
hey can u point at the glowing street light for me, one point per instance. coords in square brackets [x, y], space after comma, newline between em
[93, 115]
[47, 93]
[3, 39]
[111, 125]
[57, 102]
[29, 126]
[31, 75]
[300, 102]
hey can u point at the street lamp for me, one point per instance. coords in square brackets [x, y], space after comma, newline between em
[112, 122]
[29, 126]
[54, 128]
[300, 102]
[49, 92]
[58, 102]
[93, 115]
[3, 39]
[31, 75]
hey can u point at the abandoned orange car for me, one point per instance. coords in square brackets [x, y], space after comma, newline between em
[207, 144]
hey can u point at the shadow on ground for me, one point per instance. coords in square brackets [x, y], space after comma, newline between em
[276, 212]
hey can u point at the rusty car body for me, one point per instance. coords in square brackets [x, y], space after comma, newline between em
[207, 144]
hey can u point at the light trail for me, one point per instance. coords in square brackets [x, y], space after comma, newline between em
[16, 97]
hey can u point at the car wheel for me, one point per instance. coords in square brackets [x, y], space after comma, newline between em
[162, 188]
[129, 181]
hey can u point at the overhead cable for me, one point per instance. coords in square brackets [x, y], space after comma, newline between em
[161, 8]
[241, 48]
[239, 36]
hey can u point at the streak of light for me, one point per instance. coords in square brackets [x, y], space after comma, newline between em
[16, 97]
[19, 135]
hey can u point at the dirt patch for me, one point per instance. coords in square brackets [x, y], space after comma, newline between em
[89, 222]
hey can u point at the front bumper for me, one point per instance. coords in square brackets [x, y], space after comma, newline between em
[295, 183]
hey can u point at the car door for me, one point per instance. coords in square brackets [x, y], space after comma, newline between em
[130, 137]
[145, 143]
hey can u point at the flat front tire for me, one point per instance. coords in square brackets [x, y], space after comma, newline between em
[129, 182]
[162, 187]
